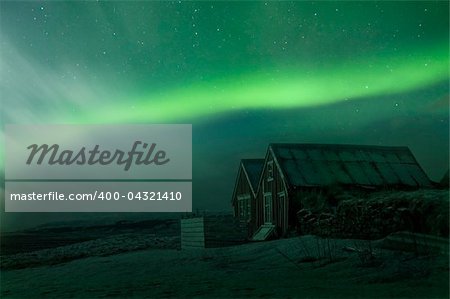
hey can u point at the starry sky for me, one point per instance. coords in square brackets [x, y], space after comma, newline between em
[243, 73]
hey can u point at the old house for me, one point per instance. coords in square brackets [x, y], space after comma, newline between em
[243, 199]
[290, 170]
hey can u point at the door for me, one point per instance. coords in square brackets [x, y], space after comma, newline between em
[282, 216]
[268, 208]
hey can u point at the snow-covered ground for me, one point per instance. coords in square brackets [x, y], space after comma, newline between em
[290, 268]
[100, 247]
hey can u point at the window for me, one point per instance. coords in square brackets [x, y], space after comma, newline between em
[240, 209]
[244, 206]
[248, 209]
[270, 171]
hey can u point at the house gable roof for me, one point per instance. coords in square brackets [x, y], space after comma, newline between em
[312, 165]
[253, 169]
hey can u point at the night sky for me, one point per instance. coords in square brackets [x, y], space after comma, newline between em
[243, 73]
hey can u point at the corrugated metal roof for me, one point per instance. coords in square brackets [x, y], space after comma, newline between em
[324, 164]
[253, 167]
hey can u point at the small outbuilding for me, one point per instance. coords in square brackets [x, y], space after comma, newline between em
[212, 230]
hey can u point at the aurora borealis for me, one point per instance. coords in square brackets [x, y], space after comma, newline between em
[243, 73]
[291, 88]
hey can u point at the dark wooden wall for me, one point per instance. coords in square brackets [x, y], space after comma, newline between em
[279, 208]
[243, 188]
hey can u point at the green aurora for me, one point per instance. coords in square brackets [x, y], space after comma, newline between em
[181, 61]
[290, 89]
[299, 88]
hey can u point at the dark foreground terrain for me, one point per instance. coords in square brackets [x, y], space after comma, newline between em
[143, 259]
[302, 267]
